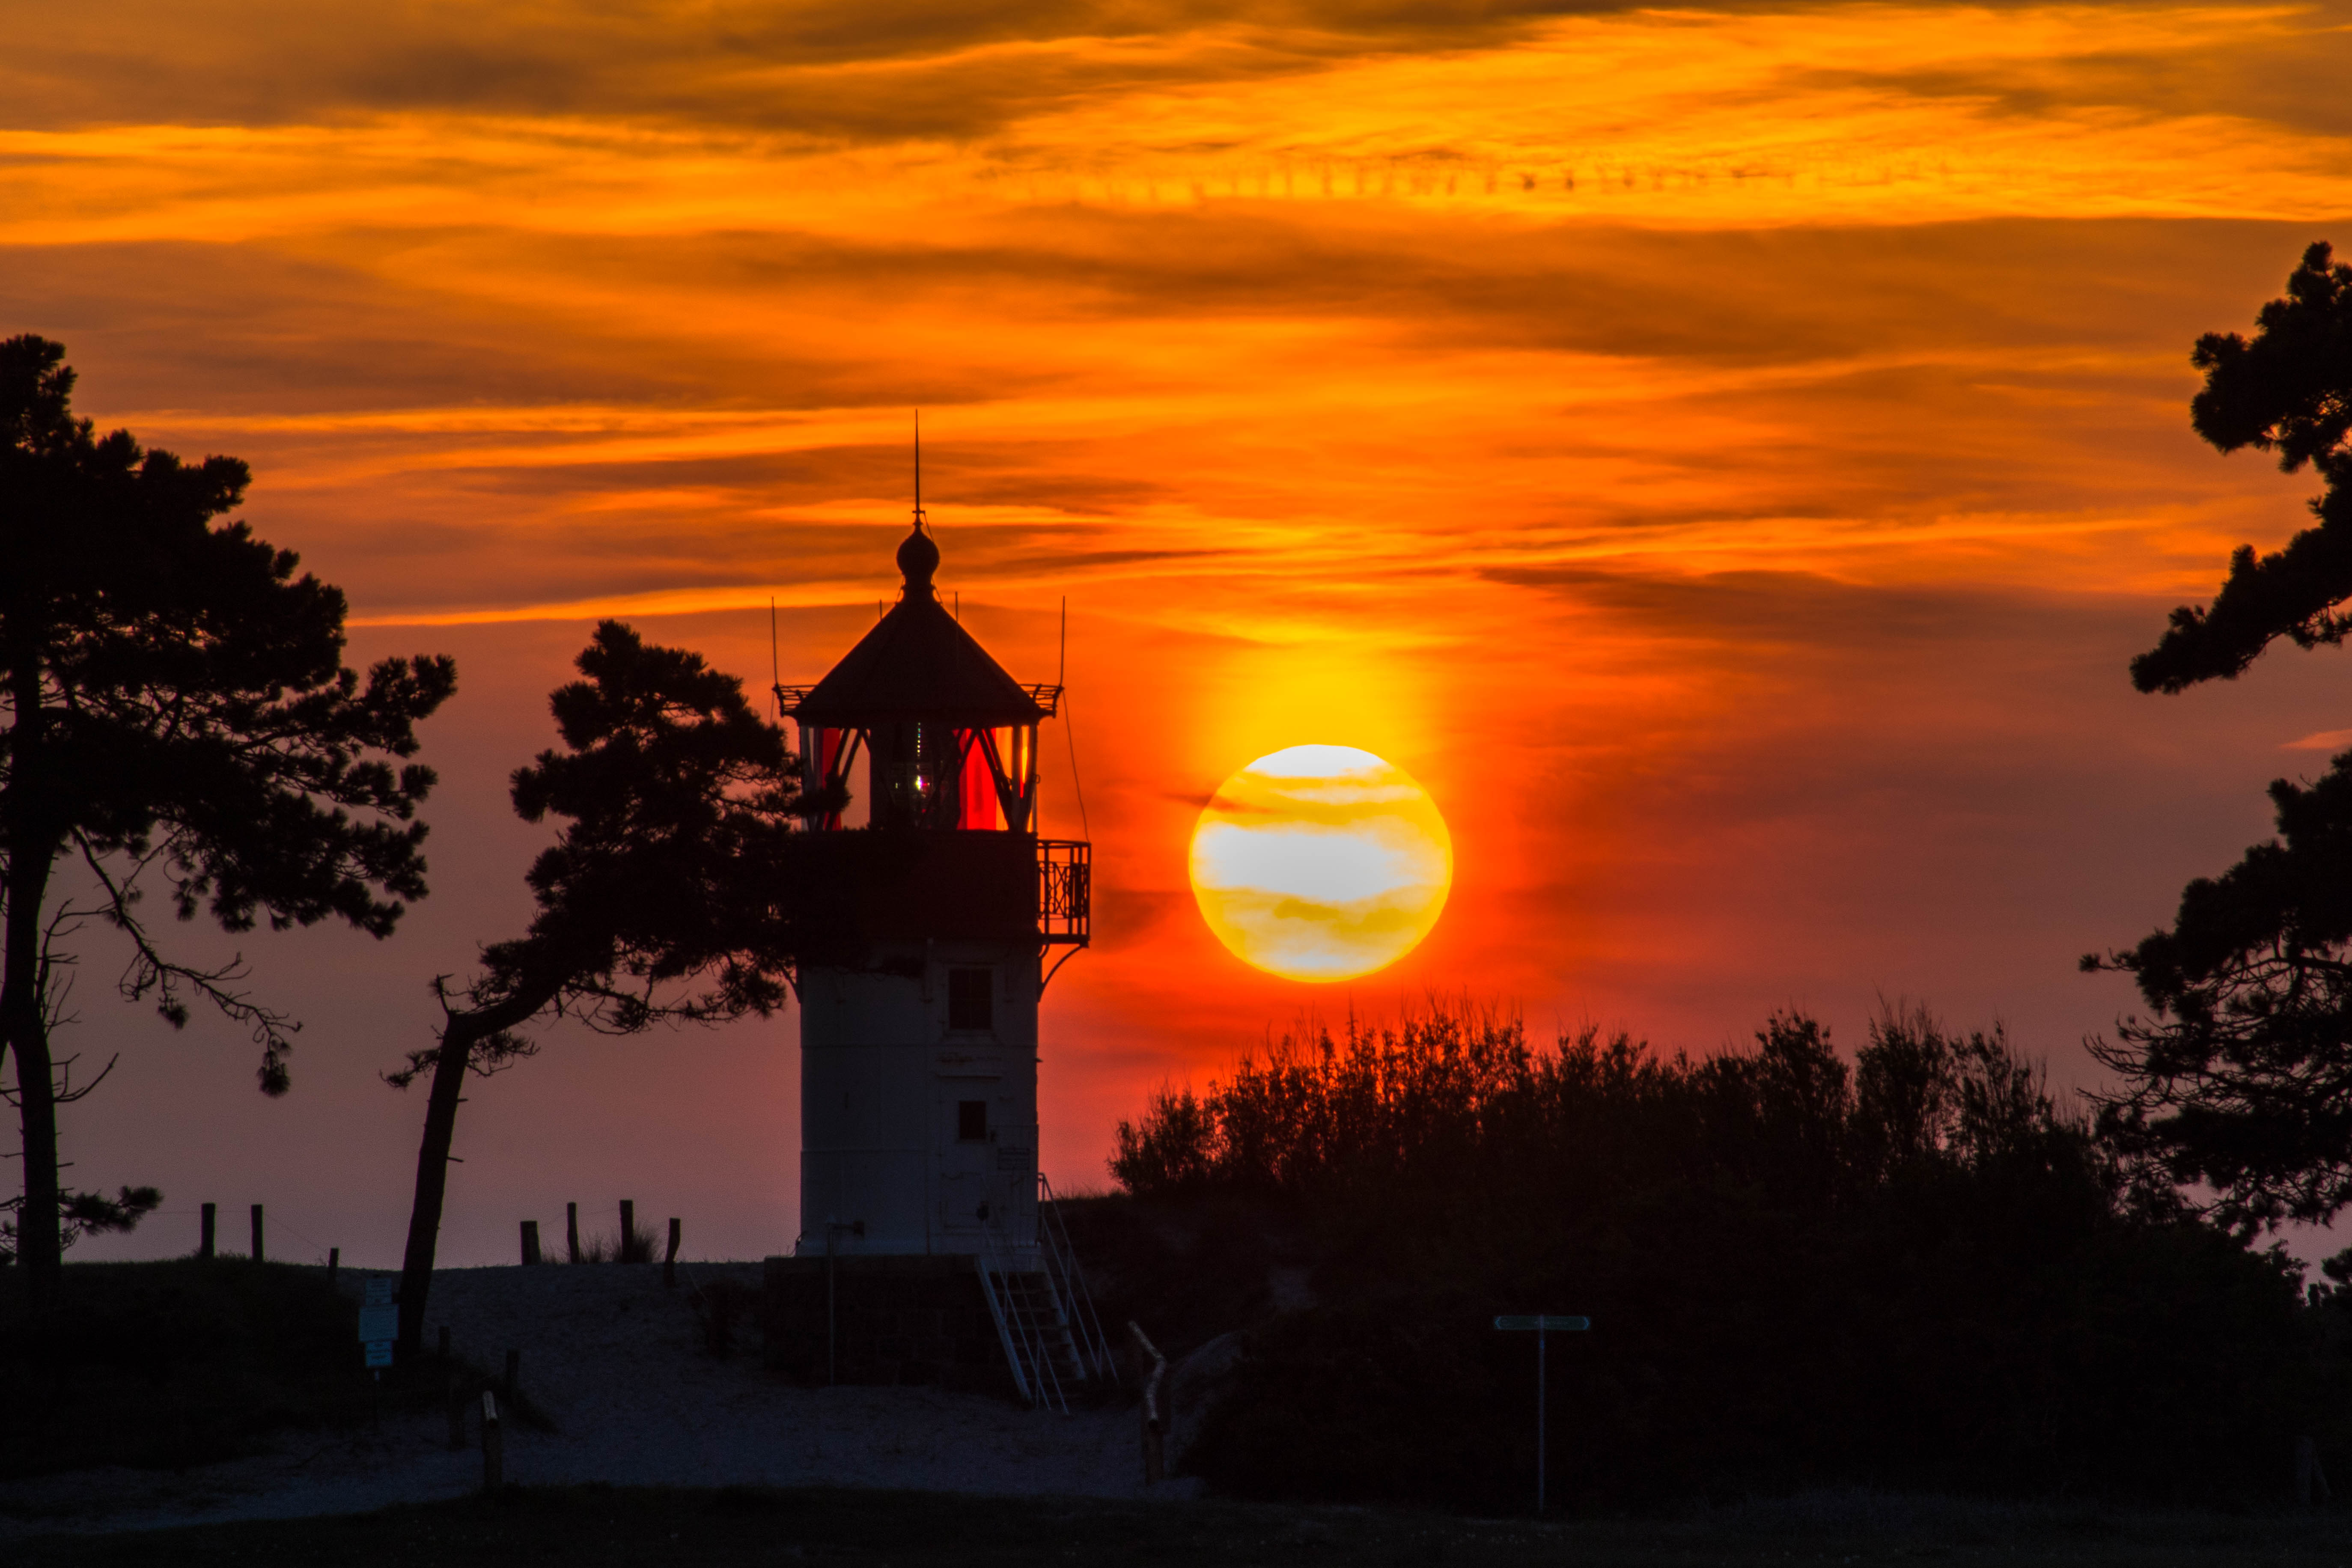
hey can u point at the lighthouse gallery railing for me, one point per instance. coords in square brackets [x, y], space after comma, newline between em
[1065, 878]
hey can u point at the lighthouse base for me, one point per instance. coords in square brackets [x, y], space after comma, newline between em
[906, 1320]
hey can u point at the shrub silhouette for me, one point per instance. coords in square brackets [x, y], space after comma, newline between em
[1455, 1097]
[1913, 1267]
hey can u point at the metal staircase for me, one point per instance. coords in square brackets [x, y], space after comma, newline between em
[1053, 1340]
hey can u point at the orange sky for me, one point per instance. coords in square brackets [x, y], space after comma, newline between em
[1726, 456]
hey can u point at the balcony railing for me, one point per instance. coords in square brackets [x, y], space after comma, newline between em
[1066, 888]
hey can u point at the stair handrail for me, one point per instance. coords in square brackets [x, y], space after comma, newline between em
[1072, 1299]
[1051, 1254]
[1043, 1381]
[1005, 1335]
[1041, 1354]
[1062, 1254]
[1053, 1234]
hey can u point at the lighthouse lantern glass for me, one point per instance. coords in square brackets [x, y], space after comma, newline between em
[927, 774]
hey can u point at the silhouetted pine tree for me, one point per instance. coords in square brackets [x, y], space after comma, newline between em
[664, 897]
[2242, 1080]
[176, 710]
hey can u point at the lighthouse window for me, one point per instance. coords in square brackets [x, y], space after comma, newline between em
[971, 999]
[971, 1121]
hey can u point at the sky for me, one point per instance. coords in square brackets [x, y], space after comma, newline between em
[1727, 456]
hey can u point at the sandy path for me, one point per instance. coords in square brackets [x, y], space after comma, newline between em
[614, 1361]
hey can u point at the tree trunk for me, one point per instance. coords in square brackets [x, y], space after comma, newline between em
[24, 1032]
[40, 1245]
[457, 1041]
[464, 1032]
[23, 1016]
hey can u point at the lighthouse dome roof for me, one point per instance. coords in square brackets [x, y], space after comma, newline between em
[919, 557]
[918, 663]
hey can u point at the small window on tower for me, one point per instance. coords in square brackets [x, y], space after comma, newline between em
[971, 999]
[971, 1121]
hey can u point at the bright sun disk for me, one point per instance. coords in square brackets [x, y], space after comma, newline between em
[1321, 863]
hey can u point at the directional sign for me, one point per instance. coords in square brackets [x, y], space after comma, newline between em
[379, 1321]
[1540, 1324]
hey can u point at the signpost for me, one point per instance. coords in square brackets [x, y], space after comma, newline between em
[379, 1324]
[1540, 1326]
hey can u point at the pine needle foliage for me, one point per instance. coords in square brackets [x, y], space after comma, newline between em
[2236, 1086]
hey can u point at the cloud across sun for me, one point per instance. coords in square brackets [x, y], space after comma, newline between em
[1321, 863]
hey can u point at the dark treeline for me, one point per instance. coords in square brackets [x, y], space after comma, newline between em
[1454, 1101]
[1914, 1268]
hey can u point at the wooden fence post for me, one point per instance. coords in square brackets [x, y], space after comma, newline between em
[334, 1264]
[1155, 1420]
[669, 1262]
[456, 1410]
[529, 1242]
[257, 1232]
[628, 1229]
[494, 1447]
[571, 1233]
[205, 1235]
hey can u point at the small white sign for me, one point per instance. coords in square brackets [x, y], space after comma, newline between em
[379, 1354]
[379, 1322]
[379, 1290]
[968, 1064]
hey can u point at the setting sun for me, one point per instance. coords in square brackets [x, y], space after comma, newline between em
[1321, 863]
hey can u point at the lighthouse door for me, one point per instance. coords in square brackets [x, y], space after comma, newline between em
[964, 1146]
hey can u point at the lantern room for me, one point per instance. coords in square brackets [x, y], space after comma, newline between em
[919, 726]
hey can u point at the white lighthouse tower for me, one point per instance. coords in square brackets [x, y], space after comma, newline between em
[938, 908]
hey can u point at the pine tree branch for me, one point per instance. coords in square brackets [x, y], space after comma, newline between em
[152, 974]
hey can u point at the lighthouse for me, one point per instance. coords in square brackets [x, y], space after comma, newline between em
[938, 913]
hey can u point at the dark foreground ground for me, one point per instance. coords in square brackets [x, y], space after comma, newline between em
[587, 1527]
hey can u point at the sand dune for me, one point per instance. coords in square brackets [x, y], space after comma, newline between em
[616, 1363]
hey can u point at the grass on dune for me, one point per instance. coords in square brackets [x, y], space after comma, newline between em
[187, 1360]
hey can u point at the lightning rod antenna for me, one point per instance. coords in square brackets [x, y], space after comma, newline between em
[918, 471]
[1069, 730]
[775, 668]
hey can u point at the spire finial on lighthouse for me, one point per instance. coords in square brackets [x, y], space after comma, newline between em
[918, 556]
